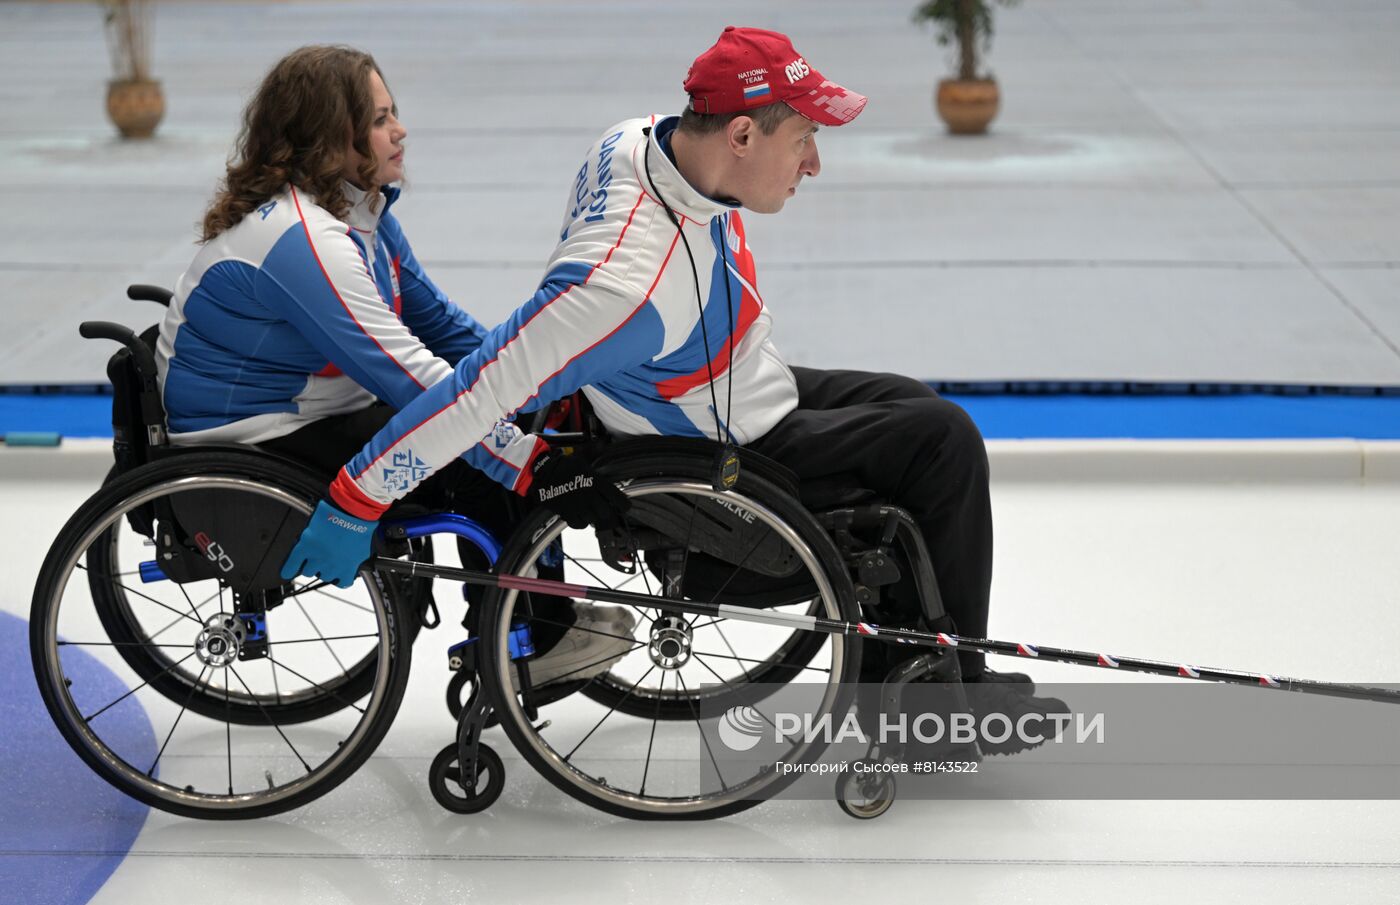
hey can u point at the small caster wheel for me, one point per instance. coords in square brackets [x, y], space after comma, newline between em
[445, 780]
[865, 796]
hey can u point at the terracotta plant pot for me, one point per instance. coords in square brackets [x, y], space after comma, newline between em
[135, 107]
[968, 107]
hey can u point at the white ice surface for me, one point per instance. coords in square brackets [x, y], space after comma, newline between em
[1297, 578]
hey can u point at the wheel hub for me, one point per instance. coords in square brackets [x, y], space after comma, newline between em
[670, 642]
[220, 641]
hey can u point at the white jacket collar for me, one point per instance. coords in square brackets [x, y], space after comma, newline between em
[365, 209]
[665, 179]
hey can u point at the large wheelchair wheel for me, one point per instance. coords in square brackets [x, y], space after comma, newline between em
[751, 546]
[122, 602]
[786, 661]
[260, 695]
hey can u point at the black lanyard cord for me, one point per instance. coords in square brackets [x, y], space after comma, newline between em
[728, 309]
[721, 429]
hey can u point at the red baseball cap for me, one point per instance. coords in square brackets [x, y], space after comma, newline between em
[751, 67]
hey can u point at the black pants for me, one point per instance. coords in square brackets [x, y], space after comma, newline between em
[898, 438]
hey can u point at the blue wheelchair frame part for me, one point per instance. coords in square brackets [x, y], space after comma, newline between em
[450, 523]
[255, 624]
[521, 644]
[520, 640]
[463, 527]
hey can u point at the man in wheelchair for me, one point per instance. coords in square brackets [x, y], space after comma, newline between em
[651, 304]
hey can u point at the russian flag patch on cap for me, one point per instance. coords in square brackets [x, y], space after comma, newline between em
[756, 93]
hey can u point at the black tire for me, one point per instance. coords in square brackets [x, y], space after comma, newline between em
[865, 796]
[445, 780]
[346, 711]
[111, 598]
[683, 478]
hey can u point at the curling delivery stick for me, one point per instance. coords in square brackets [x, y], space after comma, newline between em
[802, 622]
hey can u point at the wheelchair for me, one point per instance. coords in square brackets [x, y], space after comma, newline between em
[184, 671]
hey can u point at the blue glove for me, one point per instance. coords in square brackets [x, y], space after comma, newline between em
[331, 547]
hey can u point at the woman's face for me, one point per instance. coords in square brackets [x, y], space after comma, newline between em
[386, 135]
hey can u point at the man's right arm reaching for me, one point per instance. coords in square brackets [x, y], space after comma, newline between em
[581, 326]
[575, 330]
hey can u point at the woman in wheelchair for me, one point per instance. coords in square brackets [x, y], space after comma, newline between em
[305, 320]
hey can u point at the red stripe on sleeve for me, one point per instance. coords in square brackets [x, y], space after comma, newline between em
[352, 499]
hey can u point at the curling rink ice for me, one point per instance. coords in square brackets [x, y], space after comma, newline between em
[1176, 192]
[1290, 571]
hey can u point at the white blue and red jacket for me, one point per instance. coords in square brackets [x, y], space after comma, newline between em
[292, 315]
[617, 313]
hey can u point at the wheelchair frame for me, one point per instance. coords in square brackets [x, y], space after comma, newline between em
[464, 762]
[134, 379]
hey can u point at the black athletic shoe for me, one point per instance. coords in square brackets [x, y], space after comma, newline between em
[1011, 700]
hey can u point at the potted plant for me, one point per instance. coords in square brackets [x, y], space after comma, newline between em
[969, 102]
[134, 101]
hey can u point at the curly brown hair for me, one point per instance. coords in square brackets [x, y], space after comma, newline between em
[312, 106]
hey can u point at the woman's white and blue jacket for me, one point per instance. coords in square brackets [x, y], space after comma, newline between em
[293, 315]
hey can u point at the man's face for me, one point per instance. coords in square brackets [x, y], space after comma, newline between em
[776, 164]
